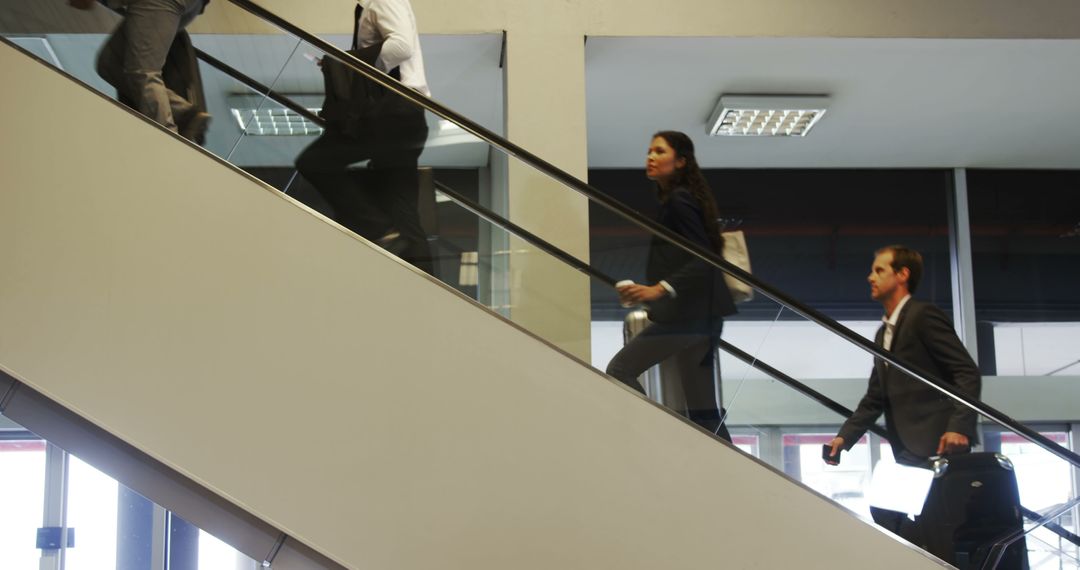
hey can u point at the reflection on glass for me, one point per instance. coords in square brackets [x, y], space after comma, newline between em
[1048, 551]
[22, 493]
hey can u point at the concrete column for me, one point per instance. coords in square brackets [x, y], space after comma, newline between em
[545, 87]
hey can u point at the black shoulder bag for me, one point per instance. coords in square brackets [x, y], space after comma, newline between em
[354, 104]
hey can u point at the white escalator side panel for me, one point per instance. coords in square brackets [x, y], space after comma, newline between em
[337, 394]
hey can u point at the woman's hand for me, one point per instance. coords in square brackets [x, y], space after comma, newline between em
[638, 294]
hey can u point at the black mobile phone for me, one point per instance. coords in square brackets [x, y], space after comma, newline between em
[826, 449]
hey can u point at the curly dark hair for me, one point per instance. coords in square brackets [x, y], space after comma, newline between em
[691, 178]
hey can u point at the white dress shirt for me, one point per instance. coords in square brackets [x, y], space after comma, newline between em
[890, 323]
[394, 21]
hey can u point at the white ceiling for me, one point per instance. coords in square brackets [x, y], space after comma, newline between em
[895, 102]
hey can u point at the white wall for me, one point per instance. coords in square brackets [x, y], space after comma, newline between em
[336, 393]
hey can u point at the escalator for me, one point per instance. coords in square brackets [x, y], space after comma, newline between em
[177, 278]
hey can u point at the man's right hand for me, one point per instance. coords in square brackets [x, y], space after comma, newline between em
[82, 4]
[837, 444]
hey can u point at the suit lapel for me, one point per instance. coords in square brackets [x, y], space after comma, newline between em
[900, 323]
[879, 364]
[882, 368]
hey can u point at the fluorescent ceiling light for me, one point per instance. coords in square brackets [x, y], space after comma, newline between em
[274, 121]
[258, 115]
[766, 115]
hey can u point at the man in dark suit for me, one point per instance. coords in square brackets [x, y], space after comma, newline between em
[921, 421]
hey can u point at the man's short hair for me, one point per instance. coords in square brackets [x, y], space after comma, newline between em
[903, 256]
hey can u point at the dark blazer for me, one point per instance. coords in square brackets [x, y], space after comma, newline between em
[916, 415]
[701, 296]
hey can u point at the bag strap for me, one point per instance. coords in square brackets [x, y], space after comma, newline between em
[356, 25]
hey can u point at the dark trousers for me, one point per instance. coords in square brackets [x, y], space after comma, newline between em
[898, 523]
[134, 55]
[697, 373]
[382, 197]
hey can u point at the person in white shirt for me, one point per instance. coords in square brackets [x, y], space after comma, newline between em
[393, 23]
[383, 198]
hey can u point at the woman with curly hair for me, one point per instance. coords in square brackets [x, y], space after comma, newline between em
[686, 297]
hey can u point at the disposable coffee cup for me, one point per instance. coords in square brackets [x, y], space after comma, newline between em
[622, 284]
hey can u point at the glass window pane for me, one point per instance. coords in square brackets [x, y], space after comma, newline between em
[92, 503]
[22, 480]
[1043, 478]
[216, 555]
[1025, 237]
[846, 483]
[747, 443]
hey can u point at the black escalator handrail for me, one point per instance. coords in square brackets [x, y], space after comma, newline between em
[588, 269]
[797, 385]
[997, 552]
[654, 228]
[1052, 526]
[731, 349]
[583, 267]
[461, 199]
[521, 232]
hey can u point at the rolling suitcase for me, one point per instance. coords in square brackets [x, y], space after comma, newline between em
[973, 502]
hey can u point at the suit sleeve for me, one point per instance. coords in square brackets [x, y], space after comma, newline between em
[870, 408]
[945, 348]
[687, 221]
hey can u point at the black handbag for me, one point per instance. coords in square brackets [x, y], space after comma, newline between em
[356, 106]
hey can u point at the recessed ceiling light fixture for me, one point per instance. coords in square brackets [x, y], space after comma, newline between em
[766, 115]
[274, 121]
[257, 115]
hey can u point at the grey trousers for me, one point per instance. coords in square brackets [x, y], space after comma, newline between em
[697, 373]
[132, 58]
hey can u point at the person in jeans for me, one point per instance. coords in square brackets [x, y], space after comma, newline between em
[687, 298]
[381, 199]
[134, 55]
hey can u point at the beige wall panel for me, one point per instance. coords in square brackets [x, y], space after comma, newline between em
[545, 106]
[745, 18]
[797, 18]
[836, 18]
